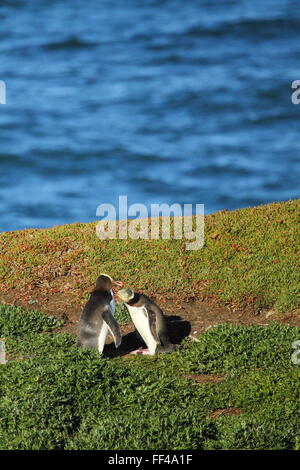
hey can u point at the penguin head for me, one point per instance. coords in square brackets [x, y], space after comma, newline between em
[125, 294]
[105, 282]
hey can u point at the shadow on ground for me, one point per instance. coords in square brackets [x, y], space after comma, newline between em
[178, 329]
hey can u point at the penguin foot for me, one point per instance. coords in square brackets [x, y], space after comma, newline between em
[169, 348]
[141, 351]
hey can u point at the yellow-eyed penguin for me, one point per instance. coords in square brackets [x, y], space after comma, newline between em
[97, 318]
[149, 321]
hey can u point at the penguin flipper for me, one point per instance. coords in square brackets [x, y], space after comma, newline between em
[161, 328]
[113, 326]
[152, 324]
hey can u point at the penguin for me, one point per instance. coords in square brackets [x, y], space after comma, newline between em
[149, 321]
[97, 317]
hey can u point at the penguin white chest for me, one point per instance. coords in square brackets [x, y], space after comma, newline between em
[140, 319]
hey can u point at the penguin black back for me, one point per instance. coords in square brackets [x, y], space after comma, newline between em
[96, 319]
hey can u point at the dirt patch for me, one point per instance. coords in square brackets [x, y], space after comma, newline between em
[63, 306]
[185, 319]
[206, 378]
[224, 412]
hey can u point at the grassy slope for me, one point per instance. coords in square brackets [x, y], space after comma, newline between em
[250, 256]
[59, 397]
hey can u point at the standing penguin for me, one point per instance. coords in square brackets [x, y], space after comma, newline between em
[148, 320]
[96, 319]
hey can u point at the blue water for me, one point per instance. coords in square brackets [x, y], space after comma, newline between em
[162, 101]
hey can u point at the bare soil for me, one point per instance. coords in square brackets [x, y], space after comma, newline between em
[186, 319]
[224, 412]
[206, 378]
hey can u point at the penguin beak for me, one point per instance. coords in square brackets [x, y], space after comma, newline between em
[118, 283]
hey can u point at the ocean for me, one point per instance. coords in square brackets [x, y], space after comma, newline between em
[160, 101]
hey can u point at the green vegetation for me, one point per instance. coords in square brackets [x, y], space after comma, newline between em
[60, 397]
[15, 322]
[122, 315]
[250, 256]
